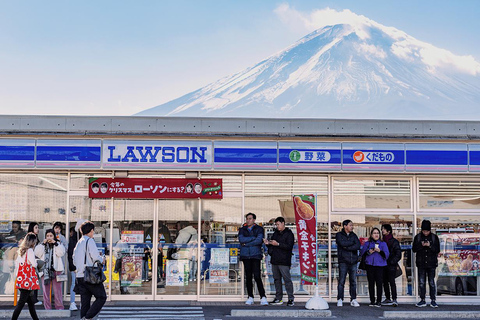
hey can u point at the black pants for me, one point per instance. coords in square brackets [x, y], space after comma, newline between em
[389, 281]
[26, 296]
[375, 279]
[86, 291]
[252, 268]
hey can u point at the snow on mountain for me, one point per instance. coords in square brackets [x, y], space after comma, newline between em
[363, 70]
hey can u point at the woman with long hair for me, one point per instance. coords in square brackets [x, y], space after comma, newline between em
[34, 228]
[51, 251]
[26, 256]
[376, 259]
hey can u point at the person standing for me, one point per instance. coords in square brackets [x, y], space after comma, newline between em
[34, 228]
[51, 251]
[26, 255]
[280, 248]
[146, 256]
[391, 268]
[375, 261]
[347, 247]
[72, 242]
[426, 246]
[250, 236]
[57, 227]
[85, 254]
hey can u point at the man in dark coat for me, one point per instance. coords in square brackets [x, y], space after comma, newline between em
[391, 268]
[426, 245]
[280, 248]
[250, 236]
[347, 249]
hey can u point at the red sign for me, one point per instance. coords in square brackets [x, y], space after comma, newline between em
[305, 218]
[145, 188]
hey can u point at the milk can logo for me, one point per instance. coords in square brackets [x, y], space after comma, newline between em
[373, 157]
[295, 156]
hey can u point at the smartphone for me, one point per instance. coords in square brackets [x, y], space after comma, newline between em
[376, 245]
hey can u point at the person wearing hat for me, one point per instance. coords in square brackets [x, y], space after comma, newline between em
[426, 245]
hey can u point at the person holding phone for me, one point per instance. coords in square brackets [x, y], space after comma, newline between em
[376, 260]
[426, 246]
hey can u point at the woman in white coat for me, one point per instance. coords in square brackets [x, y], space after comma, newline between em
[51, 251]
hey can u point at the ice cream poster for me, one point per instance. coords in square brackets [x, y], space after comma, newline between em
[305, 218]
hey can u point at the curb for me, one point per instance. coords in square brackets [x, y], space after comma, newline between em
[42, 314]
[431, 314]
[281, 313]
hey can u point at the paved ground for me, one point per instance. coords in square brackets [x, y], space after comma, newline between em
[221, 310]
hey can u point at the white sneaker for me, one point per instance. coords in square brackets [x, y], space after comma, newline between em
[249, 301]
[264, 301]
[354, 303]
[340, 303]
[73, 307]
[38, 303]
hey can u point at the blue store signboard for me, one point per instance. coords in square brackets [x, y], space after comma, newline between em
[254, 155]
[16, 153]
[474, 157]
[68, 153]
[309, 156]
[373, 156]
[437, 157]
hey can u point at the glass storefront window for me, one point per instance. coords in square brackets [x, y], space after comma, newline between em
[270, 197]
[443, 194]
[381, 193]
[458, 271]
[363, 224]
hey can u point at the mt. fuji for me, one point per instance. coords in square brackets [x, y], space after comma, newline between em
[345, 71]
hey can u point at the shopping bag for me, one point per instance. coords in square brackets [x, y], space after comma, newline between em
[27, 278]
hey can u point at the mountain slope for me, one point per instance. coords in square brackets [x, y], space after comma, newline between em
[344, 71]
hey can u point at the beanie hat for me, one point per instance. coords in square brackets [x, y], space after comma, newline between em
[426, 225]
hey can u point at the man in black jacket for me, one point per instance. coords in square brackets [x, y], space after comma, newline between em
[280, 248]
[426, 245]
[391, 268]
[347, 249]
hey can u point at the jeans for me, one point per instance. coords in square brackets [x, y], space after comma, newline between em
[86, 291]
[192, 263]
[55, 287]
[252, 269]
[26, 296]
[343, 269]
[73, 275]
[145, 270]
[422, 279]
[280, 272]
[375, 279]
[389, 282]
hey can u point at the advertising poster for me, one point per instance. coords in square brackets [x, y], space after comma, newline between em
[176, 273]
[460, 256]
[305, 218]
[132, 271]
[219, 264]
[132, 236]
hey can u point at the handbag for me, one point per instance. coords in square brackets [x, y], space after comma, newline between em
[363, 264]
[62, 277]
[27, 278]
[398, 271]
[93, 274]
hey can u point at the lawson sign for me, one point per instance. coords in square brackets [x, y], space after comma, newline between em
[157, 154]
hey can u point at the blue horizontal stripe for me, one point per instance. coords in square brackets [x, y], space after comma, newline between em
[59, 153]
[21, 153]
[475, 158]
[435, 157]
[245, 155]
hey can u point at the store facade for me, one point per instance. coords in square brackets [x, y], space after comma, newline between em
[399, 177]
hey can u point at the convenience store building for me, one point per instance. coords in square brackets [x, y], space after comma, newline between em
[369, 171]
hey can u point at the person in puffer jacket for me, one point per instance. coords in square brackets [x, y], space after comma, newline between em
[347, 248]
[251, 237]
[377, 253]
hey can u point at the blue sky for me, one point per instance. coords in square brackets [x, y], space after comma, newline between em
[121, 57]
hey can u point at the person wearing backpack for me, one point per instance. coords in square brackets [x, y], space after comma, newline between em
[27, 279]
[86, 254]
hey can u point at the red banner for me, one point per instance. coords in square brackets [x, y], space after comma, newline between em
[305, 218]
[145, 188]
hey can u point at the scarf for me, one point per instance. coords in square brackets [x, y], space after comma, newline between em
[48, 270]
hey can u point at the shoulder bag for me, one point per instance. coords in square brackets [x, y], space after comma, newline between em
[27, 278]
[93, 274]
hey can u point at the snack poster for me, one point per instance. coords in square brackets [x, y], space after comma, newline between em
[132, 271]
[305, 219]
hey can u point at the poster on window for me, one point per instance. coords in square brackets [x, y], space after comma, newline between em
[176, 273]
[306, 220]
[130, 236]
[131, 271]
[219, 264]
